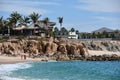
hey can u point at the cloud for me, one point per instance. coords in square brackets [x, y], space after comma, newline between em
[100, 5]
[25, 7]
[110, 21]
[29, 2]
[107, 19]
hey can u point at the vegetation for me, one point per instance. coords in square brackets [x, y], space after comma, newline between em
[34, 17]
[60, 21]
[15, 19]
[72, 30]
[24, 20]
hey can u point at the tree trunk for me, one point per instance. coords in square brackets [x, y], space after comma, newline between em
[8, 31]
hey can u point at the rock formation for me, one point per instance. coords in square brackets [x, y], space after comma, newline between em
[58, 49]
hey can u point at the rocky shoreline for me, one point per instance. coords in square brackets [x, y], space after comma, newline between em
[58, 49]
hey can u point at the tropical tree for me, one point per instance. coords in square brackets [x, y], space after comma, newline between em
[60, 22]
[11, 23]
[64, 31]
[56, 31]
[77, 32]
[99, 35]
[45, 21]
[14, 18]
[34, 17]
[94, 35]
[83, 35]
[3, 25]
[24, 20]
[1, 22]
[105, 34]
[72, 30]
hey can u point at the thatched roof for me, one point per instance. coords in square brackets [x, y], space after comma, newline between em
[20, 27]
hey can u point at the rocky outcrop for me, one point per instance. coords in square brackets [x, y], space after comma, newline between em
[58, 49]
[104, 58]
[102, 45]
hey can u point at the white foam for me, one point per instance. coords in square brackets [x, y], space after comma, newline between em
[6, 69]
[52, 61]
[10, 78]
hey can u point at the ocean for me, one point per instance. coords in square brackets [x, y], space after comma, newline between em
[61, 70]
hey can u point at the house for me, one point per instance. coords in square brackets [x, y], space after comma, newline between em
[38, 29]
[72, 35]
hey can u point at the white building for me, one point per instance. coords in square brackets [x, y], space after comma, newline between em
[72, 35]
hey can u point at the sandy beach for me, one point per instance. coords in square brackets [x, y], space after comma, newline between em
[12, 60]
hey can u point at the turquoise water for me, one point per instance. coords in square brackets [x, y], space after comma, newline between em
[67, 70]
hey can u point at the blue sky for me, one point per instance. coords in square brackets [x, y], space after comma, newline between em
[84, 15]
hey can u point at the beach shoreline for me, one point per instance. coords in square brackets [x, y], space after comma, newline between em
[26, 50]
[13, 60]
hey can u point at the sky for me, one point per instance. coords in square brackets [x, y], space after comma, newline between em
[83, 15]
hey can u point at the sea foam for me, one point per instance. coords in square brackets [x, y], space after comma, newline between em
[6, 70]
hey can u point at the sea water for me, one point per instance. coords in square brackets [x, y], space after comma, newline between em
[61, 70]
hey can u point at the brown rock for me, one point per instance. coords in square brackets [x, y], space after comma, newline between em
[62, 48]
[62, 57]
[51, 48]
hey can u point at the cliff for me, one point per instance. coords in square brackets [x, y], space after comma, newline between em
[58, 49]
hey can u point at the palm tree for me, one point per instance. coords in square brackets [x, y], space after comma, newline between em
[24, 20]
[45, 21]
[14, 18]
[4, 25]
[60, 21]
[10, 24]
[1, 24]
[34, 17]
[8, 27]
[56, 32]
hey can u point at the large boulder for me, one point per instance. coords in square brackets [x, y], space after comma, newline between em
[51, 48]
[62, 48]
[62, 57]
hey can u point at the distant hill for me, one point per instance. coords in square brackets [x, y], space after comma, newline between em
[103, 29]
